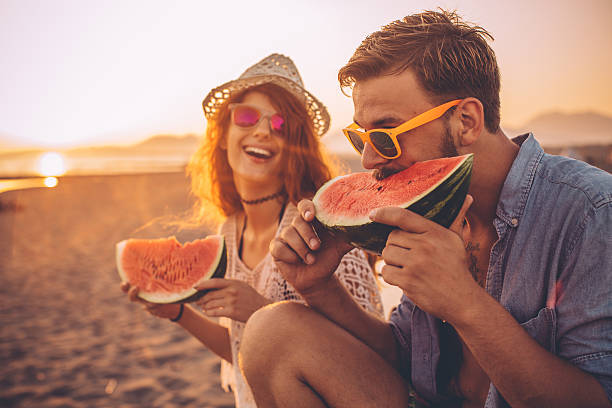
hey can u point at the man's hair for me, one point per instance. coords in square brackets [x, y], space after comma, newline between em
[450, 57]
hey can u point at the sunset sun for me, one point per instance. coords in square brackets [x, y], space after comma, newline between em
[51, 164]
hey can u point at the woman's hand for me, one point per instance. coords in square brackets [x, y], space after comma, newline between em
[166, 311]
[230, 298]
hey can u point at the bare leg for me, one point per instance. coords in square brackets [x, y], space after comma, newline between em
[294, 357]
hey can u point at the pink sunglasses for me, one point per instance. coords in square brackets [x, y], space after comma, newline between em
[246, 116]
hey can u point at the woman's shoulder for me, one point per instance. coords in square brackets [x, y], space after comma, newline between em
[227, 225]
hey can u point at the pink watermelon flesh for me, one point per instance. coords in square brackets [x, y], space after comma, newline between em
[355, 195]
[434, 189]
[166, 271]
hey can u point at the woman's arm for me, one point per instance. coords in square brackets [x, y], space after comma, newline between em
[212, 335]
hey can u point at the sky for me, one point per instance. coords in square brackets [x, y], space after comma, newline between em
[79, 73]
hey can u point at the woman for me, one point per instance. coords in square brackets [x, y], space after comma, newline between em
[260, 156]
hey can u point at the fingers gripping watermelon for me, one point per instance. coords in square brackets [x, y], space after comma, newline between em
[434, 189]
[166, 271]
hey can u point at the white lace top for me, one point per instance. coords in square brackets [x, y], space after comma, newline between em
[354, 272]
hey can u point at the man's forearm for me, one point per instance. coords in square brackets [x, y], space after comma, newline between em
[335, 302]
[525, 374]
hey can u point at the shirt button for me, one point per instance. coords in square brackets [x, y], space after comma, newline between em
[514, 222]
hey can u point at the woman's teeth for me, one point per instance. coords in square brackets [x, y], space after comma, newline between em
[258, 152]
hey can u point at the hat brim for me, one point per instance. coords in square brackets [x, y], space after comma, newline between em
[218, 97]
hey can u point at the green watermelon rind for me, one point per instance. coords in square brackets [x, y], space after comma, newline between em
[187, 296]
[441, 205]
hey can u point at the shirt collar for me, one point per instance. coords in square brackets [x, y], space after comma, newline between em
[519, 180]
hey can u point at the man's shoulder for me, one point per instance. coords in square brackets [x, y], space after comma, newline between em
[576, 180]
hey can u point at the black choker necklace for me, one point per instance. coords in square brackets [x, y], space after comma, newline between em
[263, 199]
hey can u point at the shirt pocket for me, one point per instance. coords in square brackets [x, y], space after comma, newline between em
[542, 328]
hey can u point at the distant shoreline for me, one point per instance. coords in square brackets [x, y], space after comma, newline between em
[24, 164]
[80, 175]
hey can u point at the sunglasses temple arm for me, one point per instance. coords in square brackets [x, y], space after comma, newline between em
[426, 117]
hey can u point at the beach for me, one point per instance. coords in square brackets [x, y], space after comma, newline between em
[69, 337]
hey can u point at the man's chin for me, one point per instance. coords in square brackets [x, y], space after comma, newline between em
[385, 172]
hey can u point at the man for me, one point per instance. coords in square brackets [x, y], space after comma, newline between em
[510, 306]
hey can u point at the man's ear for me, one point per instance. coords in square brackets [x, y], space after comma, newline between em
[472, 122]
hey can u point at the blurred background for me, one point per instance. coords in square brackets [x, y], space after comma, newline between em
[100, 109]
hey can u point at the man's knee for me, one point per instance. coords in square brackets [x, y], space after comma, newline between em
[274, 321]
[268, 334]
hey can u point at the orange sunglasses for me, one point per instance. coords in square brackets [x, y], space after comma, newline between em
[384, 141]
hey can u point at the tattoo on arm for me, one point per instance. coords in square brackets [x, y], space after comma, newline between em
[472, 248]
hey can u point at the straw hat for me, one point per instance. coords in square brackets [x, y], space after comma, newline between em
[277, 69]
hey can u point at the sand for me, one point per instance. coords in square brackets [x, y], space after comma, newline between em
[69, 337]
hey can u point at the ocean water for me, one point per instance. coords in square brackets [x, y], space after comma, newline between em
[28, 164]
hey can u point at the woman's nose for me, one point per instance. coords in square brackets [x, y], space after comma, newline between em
[262, 129]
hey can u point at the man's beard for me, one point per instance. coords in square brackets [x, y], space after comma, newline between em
[447, 145]
[447, 149]
[385, 172]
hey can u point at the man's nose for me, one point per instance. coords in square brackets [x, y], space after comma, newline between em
[370, 159]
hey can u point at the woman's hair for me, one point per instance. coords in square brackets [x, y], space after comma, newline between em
[450, 57]
[304, 164]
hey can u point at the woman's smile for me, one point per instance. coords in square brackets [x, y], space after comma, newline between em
[259, 154]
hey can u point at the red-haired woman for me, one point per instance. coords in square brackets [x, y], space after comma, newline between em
[260, 156]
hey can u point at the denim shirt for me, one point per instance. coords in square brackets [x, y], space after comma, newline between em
[550, 268]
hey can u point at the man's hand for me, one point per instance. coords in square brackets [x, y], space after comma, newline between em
[427, 261]
[307, 260]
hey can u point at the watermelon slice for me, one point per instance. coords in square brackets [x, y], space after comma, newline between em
[434, 189]
[166, 271]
